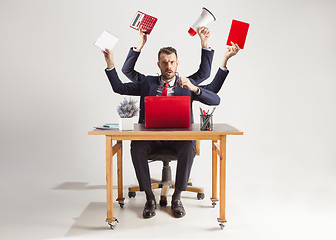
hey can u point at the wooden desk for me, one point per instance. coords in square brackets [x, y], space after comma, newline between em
[218, 137]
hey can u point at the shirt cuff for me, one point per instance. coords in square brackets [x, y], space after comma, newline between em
[198, 92]
[135, 50]
[208, 49]
[109, 69]
[223, 68]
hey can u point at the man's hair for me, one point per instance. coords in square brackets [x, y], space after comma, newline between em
[168, 51]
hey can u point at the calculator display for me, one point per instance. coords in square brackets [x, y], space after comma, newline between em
[146, 21]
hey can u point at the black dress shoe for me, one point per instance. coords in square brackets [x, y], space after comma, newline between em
[178, 209]
[149, 210]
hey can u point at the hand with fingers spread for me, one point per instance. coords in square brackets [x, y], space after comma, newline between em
[108, 54]
[231, 51]
[185, 83]
[142, 38]
[204, 34]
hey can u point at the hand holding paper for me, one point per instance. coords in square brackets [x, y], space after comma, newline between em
[108, 54]
[232, 50]
[238, 33]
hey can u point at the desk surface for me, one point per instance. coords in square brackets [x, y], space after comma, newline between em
[192, 133]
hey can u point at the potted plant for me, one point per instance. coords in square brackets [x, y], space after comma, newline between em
[127, 110]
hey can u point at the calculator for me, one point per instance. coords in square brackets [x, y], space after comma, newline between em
[146, 21]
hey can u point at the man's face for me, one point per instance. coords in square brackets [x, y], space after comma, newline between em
[168, 65]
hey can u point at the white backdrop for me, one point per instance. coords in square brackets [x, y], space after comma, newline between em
[280, 92]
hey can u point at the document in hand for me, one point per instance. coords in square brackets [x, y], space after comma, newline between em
[238, 33]
[106, 40]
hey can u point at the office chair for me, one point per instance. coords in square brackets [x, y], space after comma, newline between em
[166, 156]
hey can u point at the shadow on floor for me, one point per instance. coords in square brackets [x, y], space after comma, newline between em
[79, 186]
[90, 220]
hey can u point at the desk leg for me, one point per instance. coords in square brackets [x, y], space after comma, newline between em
[222, 168]
[109, 182]
[214, 198]
[120, 198]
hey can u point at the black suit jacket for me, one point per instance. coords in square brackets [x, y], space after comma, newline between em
[202, 73]
[198, 77]
[149, 86]
[143, 85]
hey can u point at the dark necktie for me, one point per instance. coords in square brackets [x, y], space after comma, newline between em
[164, 91]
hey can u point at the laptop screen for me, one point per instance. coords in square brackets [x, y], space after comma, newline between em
[167, 112]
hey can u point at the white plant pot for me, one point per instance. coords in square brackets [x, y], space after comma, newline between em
[126, 124]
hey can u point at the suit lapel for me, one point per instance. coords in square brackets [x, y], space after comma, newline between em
[154, 86]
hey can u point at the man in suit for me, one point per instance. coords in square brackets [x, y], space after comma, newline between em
[204, 69]
[171, 85]
[199, 76]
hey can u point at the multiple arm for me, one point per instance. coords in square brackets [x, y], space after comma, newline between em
[217, 83]
[231, 51]
[129, 88]
[132, 57]
[204, 93]
[200, 94]
[204, 69]
[117, 86]
[207, 97]
[128, 67]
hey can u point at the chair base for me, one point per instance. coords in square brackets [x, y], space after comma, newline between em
[165, 186]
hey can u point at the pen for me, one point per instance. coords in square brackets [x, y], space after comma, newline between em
[205, 124]
[212, 111]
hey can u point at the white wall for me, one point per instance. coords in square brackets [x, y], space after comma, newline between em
[280, 90]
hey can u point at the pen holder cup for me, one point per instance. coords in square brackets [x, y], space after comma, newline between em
[206, 123]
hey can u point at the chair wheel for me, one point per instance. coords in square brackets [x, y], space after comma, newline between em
[190, 184]
[221, 225]
[131, 194]
[113, 224]
[122, 204]
[200, 196]
[163, 203]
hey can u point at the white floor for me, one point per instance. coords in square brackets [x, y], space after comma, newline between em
[77, 210]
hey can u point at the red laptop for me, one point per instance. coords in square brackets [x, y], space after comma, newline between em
[167, 112]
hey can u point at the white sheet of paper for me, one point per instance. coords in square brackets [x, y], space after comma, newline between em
[106, 40]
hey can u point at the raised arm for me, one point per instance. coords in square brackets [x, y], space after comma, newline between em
[217, 83]
[130, 88]
[132, 57]
[204, 69]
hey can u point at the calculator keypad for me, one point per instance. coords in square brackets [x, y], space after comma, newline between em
[146, 21]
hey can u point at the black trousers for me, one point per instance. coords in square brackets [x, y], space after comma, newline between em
[185, 150]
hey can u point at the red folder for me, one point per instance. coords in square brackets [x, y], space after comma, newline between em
[167, 112]
[238, 33]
